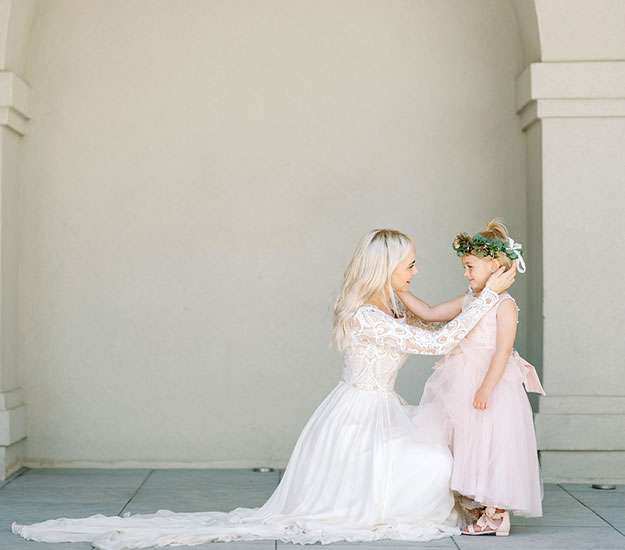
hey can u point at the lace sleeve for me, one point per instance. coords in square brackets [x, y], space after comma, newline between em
[386, 331]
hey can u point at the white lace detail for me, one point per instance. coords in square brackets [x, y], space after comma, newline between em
[379, 344]
[374, 328]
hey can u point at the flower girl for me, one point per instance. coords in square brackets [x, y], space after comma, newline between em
[476, 394]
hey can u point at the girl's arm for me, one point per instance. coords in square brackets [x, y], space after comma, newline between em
[506, 333]
[441, 312]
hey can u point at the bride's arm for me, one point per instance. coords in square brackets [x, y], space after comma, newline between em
[383, 330]
[424, 311]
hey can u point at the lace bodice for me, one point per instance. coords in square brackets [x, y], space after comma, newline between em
[379, 344]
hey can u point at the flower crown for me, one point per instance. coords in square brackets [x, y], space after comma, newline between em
[479, 245]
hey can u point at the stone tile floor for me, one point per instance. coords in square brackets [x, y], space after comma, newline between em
[575, 516]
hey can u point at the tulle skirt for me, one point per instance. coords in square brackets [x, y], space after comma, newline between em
[363, 468]
[495, 459]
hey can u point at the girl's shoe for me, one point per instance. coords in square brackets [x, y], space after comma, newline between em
[469, 510]
[475, 513]
[491, 522]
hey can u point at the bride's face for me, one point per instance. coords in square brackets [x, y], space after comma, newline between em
[405, 270]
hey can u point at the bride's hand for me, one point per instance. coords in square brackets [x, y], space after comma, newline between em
[502, 279]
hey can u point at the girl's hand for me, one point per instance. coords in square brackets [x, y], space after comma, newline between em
[502, 279]
[481, 398]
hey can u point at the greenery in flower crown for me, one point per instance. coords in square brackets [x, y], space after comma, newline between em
[479, 245]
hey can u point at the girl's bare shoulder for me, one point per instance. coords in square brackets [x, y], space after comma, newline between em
[507, 305]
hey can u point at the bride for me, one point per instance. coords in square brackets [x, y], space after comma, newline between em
[365, 466]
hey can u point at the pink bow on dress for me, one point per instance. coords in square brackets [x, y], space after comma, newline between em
[530, 377]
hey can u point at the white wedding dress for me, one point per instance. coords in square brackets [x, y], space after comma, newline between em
[365, 467]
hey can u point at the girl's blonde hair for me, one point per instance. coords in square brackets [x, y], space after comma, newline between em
[495, 229]
[369, 272]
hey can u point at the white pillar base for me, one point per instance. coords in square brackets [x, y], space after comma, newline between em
[11, 459]
[12, 431]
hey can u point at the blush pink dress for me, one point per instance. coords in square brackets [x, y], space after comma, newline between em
[494, 450]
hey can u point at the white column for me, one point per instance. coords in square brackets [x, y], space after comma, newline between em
[13, 117]
[574, 118]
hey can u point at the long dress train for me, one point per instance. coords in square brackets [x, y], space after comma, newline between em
[366, 465]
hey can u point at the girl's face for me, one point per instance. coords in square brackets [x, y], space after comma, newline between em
[477, 270]
[405, 270]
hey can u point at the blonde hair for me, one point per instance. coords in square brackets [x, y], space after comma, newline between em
[369, 272]
[495, 229]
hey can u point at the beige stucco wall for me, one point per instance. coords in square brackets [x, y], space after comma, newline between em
[585, 201]
[579, 30]
[192, 183]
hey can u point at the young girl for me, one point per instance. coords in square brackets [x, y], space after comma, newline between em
[476, 394]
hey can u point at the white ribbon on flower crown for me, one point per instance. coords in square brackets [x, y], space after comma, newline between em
[517, 247]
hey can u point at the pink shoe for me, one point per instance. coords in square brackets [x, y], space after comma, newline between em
[490, 522]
